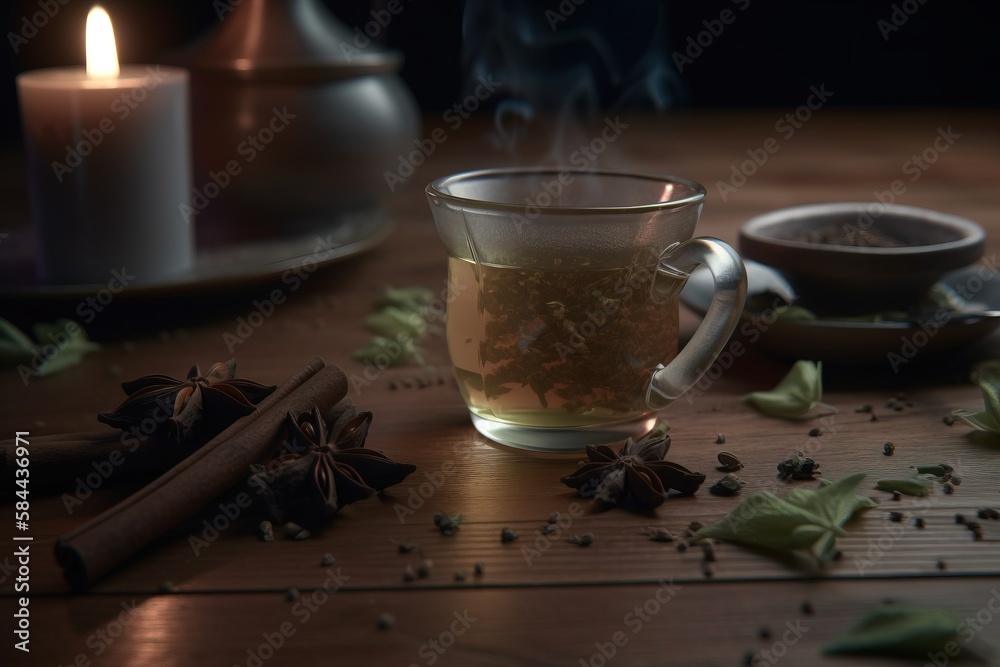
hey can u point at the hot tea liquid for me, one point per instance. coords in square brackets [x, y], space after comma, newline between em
[557, 348]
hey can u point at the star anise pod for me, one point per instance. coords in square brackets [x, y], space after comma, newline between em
[636, 474]
[326, 469]
[198, 407]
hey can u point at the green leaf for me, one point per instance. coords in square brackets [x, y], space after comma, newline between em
[899, 630]
[63, 342]
[936, 469]
[908, 486]
[794, 314]
[70, 340]
[799, 391]
[15, 347]
[14, 337]
[989, 419]
[412, 299]
[391, 321]
[809, 520]
[383, 353]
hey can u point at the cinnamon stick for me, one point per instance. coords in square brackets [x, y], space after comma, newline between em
[58, 460]
[93, 549]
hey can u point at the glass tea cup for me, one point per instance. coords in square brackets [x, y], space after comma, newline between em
[562, 320]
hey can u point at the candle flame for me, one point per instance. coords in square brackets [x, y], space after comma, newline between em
[102, 55]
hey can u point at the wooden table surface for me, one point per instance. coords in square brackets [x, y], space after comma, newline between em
[642, 601]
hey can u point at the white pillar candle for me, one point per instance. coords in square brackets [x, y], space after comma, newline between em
[109, 166]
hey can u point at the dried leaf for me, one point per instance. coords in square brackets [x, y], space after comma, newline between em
[901, 630]
[799, 391]
[808, 520]
[989, 419]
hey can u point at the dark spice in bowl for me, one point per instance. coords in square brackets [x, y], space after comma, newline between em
[856, 258]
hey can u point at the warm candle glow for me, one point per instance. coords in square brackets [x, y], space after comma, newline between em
[102, 55]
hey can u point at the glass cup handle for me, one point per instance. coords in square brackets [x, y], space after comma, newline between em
[677, 262]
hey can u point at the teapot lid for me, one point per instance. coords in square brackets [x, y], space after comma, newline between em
[287, 39]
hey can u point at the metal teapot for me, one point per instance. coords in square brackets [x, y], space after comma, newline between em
[295, 119]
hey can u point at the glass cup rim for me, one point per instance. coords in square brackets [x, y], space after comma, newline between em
[435, 189]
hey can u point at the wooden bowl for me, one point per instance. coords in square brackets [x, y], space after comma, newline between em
[853, 258]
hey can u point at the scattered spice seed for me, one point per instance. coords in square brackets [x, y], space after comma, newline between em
[729, 485]
[393, 386]
[409, 574]
[748, 658]
[508, 535]
[897, 496]
[707, 569]
[424, 568]
[385, 621]
[864, 408]
[948, 488]
[548, 529]
[292, 594]
[815, 432]
[682, 546]
[728, 462]
[764, 634]
[988, 513]
[404, 547]
[708, 551]
[799, 466]
[977, 531]
[460, 576]
[888, 449]
[266, 531]
[898, 407]
[553, 518]
[807, 608]
[167, 587]
[478, 569]
[949, 420]
[919, 522]
[659, 534]
[584, 540]
[447, 524]
[959, 518]
[696, 526]
[874, 418]
[720, 439]
[328, 560]
[955, 480]
[941, 565]
[896, 517]
[294, 531]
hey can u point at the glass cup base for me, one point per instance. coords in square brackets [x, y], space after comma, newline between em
[556, 440]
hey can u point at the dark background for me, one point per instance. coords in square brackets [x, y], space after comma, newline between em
[945, 54]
